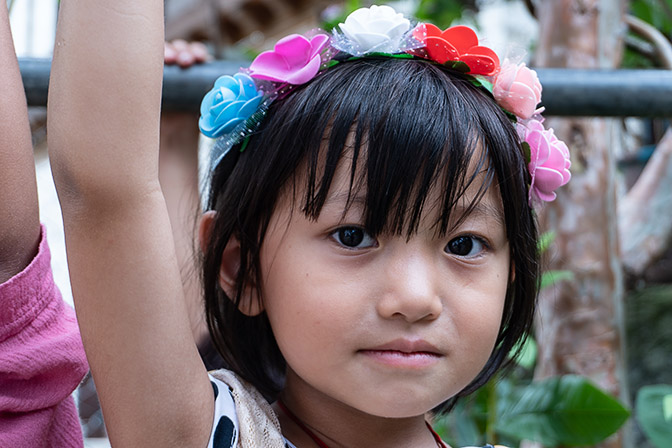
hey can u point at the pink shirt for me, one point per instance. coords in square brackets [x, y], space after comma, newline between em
[41, 360]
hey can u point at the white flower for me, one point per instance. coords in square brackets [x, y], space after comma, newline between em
[375, 29]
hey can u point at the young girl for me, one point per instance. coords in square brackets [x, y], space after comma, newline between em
[41, 355]
[369, 249]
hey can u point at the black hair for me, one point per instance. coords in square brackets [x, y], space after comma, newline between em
[412, 126]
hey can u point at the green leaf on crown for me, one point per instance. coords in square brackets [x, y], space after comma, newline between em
[527, 151]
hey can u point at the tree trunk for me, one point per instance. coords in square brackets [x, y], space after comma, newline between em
[580, 328]
[645, 221]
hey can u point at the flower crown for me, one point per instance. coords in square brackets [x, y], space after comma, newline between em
[235, 106]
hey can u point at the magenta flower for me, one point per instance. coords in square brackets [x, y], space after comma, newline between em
[294, 60]
[517, 89]
[549, 161]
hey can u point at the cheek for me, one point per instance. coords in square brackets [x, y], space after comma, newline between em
[478, 316]
[310, 308]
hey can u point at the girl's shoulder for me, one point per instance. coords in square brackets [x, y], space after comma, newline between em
[242, 414]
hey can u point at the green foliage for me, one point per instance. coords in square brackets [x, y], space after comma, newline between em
[649, 336]
[352, 5]
[545, 239]
[444, 12]
[657, 13]
[332, 22]
[527, 353]
[635, 59]
[654, 413]
[567, 410]
[549, 278]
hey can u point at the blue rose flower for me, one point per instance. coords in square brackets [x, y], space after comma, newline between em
[230, 102]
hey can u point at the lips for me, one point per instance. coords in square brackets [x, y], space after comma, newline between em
[404, 354]
[407, 346]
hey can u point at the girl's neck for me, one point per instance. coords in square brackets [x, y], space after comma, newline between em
[339, 425]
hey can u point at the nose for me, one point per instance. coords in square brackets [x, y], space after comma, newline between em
[411, 291]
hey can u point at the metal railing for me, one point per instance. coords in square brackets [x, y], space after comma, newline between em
[567, 92]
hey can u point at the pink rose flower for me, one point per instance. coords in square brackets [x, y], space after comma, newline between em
[294, 60]
[517, 89]
[549, 161]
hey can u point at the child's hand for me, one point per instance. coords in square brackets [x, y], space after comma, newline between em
[185, 54]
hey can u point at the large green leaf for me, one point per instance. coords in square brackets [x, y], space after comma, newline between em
[654, 413]
[566, 410]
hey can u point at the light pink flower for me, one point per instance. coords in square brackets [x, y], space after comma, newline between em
[294, 60]
[549, 161]
[517, 89]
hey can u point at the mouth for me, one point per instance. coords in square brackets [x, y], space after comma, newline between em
[404, 353]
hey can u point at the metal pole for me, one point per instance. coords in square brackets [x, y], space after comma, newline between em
[567, 92]
[607, 93]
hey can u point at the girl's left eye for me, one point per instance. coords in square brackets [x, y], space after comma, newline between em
[354, 238]
[466, 246]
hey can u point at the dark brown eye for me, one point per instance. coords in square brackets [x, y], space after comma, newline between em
[353, 238]
[465, 246]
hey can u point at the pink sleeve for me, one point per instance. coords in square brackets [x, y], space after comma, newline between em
[41, 360]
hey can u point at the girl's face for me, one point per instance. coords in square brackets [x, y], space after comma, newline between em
[387, 326]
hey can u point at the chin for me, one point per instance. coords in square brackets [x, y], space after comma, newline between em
[401, 411]
[401, 405]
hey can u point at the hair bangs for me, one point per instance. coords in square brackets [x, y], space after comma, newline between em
[399, 150]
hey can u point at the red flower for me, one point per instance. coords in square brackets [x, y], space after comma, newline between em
[457, 43]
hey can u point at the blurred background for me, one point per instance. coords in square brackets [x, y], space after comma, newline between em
[599, 370]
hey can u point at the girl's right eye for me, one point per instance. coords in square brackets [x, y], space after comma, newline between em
[466, 246]
[354, 238]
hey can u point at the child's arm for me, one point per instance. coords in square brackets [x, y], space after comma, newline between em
[104, 104]
[41, 355]
[19, 222]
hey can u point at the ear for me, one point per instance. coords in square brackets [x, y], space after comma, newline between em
[250, 302]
